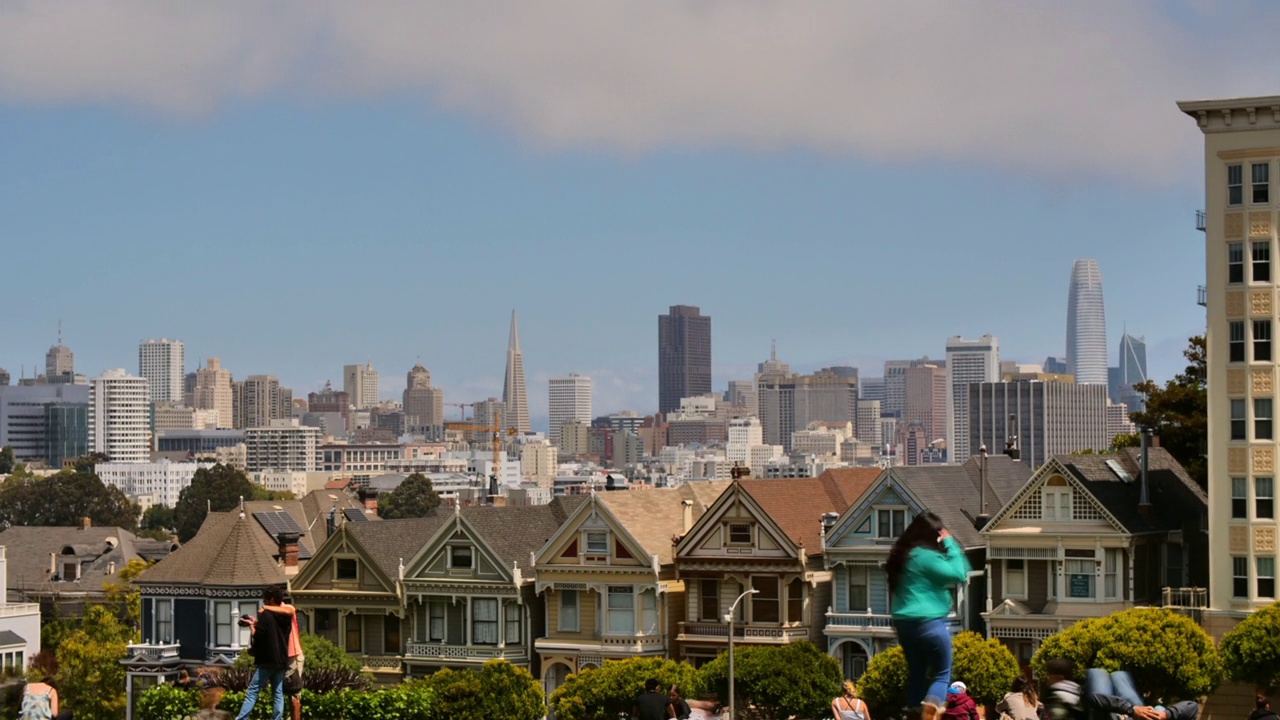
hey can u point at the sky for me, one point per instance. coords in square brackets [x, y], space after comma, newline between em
[298, 185]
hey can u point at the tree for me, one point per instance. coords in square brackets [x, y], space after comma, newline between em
[497, 690]
[217, 489]
[609, 690]
[125, 597]
[414, 498]
[884, 684]
[159, 517]
[324, 655]
[1178, 412]
[6, 460]
[1169, 656]
[781, 681]
[85, 463]
[985, 665]
[91, 680]
[64, 500]
[1250, 651]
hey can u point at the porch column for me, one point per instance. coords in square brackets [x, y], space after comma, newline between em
[502, 622]
[466, 623]
[991, 569]
[637, 615]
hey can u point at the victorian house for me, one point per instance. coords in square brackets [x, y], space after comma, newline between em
[760, 546]
[1087, 536]
[856, 546]
[607, 579]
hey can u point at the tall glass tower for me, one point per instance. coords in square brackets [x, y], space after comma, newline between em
[1086, 325]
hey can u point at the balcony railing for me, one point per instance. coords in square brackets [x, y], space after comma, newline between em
[380, 662]
[720, 631]
[1202, 296]
[464, 652]
[1201, 220]
[1194, 598]
[19, 609]
[869, 621]
[154, 653]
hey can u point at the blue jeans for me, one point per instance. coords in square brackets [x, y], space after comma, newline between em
[927, 647]
[1119, 683]
[263, 676]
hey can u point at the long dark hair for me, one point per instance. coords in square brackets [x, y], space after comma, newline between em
[921, 533]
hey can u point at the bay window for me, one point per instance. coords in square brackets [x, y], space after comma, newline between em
[622, 610]
[164, 622]
[484, 621]
[649, 612]
[512, 616]
[764, 604]
[859, 595]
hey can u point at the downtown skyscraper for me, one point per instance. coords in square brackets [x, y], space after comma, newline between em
[163, 363]
[514, 397]
[1086, 325]
[568, 399]
[968, 362]
[684, 356]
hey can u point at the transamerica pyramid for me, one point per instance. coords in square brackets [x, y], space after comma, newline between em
[514, 398]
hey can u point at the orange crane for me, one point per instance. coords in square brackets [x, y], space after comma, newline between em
[496, 430]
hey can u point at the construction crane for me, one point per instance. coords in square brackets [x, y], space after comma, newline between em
[496, 431]
[462, 409]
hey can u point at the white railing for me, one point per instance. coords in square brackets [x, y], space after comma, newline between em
[19, 609]
[748, 632]
[380, 662]
[464, 652]
[859, 620]
[631, 640]
[154, 652]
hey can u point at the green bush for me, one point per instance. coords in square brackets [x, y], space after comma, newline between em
[604, 692]
[410, 701]
[1251, 652]
[497, 690]
[884, 684]
[985, 666]
[166, 702]
[324, 655]
[1169, 656]
[778, 681]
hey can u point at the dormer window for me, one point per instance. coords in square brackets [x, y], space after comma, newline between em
[1057, 503]
[346, 570]
[70, 571]
[597, 543]
[890, 522]
[739, 533]
[460, 557]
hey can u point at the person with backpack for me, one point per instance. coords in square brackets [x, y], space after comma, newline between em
[849, 706]
[924, 565]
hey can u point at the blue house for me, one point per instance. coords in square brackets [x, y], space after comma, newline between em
[856, 545]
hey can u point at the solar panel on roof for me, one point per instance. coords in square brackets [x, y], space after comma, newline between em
[1119, 471]
[276, 522]
[356, 515]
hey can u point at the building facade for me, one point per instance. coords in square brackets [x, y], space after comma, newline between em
[1086, 325]
[1043, 418]
[214, 391]
[282, 445]
[925, 405]
[684, 356]
[568, 398]
[423, 403]
[163, 364]
[150, 483]
[515, 395]
[259, 399]
[119, 423]
[25, 421]
[968, 362]
[360, 383]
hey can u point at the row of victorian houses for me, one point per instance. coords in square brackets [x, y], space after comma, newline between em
[562, 587]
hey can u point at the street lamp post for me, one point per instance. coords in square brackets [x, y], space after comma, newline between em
[733, 710]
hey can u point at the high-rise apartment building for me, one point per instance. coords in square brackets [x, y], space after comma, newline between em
[790, 402]
[1086, 325]
[743, 394]
[515, 397]
[214, 391]
[4, 377]
[895, 388]
[968, 362]
[282, 445]
[925, 388]
[360, 382]
[423, 403]
[684, 356]
[259, 399]
[163, 363]
[59, 362]
[868, 428]
[1241, 137]
[1045, 418]
[119, 417]
[568, 398]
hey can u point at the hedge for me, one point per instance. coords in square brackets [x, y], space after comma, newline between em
[797, 679]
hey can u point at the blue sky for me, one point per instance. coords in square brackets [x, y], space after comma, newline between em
[296, 189]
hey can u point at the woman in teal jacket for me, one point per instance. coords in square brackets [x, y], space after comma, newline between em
[924, 564]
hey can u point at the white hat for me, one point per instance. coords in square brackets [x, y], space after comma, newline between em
[957, 688]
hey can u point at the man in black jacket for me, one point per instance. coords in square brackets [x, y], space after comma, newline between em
[270, 650]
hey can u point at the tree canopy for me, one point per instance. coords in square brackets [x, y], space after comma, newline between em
[64, 500]
[414, 498]
[216, 489]
[1250, 651]
[793, 680]
[90, 677]
[1178, 412]
[6, 460]
[611, 689]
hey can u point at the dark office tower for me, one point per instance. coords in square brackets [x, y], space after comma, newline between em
[684, 356]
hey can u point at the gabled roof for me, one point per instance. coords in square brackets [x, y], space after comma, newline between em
[515, 532]
[796, 505]
[230, 550]
[391, 541]
[952, 492]
[1175, 497]
[655, 516]
[735, 495]
[316, 506]
[29, 548]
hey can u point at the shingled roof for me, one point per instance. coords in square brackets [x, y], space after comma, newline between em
[230, 550]
[952, 492]
[391, 541]
[1175, 497]
[97, 549]
[796, 505]
[655, 516]
[515, 532]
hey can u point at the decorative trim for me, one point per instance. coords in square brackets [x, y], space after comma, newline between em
[1247, 153]
[251, 593]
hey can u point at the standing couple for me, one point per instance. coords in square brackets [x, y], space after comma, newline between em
[276, 648]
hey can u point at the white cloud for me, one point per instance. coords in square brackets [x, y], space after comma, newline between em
[1076, 90]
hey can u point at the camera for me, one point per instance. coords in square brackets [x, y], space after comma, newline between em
[246, 620]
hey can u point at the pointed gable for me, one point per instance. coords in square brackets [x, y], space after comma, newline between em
[1055, 496]
[589, 536]
[736, 526]
[228, 551]
[798, 505]
[379, 547]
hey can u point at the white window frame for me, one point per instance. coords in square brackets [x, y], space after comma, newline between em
[1253, 184]
[602, 536]
[247, 608]
[462, 549]
[649, 611]
[1090, 566]
[568, 609]
[433, 618]
[1238, 561]
[702, 601]
[1111, 589]
[621, 592]
[728, 534]
[1010, 572]
[853, 572]
[494, 622]
[1239, 185]
[893, 511]
[1261, 493]
[219, 624]
[513, 623]
[1057, 499]
[158, 630]
[1268, 574]
[1240, 493]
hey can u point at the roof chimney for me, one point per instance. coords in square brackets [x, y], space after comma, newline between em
[369, 498]
[288, 548]
[687, 508]
[1144, 496]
